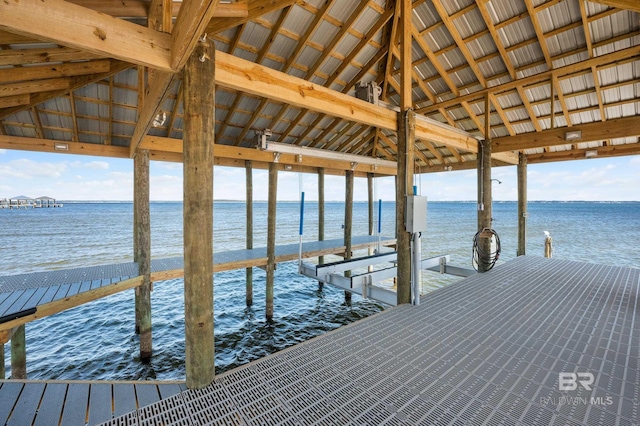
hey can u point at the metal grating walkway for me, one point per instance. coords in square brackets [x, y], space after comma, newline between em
[487, 350]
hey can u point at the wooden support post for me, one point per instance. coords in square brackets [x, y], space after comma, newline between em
[19, 354]
[522, 204]
[271, 237]
[320, 216]
[249, 271]
[198, 141]
[2, 373]
[406, 142]
[348, 224]
[485, 197]
[142, 254]
[404, 187]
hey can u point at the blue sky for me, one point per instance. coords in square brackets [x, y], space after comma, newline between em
[73, 177]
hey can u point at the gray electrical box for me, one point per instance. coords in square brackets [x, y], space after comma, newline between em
[416, 214]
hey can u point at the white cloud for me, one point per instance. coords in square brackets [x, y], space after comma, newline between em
[3, 151]
[27, 169]
[96, 165]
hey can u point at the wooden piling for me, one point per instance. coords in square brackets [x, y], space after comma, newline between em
[142, 253]
[404, 187]
[348, 224]
[485, 197]
[406, 145]
[522, 204]
[320, 216]
[198, 141]
[18, 354]
[249, 271]
[271, 237]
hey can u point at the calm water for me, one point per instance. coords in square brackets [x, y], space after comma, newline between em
[96, 341]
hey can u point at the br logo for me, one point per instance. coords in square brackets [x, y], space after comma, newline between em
[569, 381]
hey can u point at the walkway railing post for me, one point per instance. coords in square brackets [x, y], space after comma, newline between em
[198, 140]
[484, 193]
[18, 354]
[2, 373]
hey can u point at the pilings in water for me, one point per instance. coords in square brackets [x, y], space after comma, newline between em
[142, 251]
[199, 127]
[271, 237]
[249, 271]
[484, 193]
[18, 354]
[522, 204]
[348, 224]
[320, 216]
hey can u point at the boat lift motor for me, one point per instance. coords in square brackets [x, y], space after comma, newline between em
[415, 224]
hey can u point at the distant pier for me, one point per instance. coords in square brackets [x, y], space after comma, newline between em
[24, 202]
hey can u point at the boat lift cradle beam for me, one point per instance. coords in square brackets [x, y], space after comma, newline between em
[364, 283]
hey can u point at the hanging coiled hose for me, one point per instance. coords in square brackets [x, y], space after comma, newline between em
[478, 253]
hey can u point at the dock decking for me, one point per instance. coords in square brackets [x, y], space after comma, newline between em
[76, 403]
[485, 350]
[53, 291]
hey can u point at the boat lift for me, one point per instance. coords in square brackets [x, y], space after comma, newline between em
[364, 283]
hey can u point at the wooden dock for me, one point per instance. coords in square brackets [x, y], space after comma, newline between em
[27, 297]
[79, 403]
[486, 350]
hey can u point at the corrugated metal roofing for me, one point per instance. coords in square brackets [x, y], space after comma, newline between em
[111, 106]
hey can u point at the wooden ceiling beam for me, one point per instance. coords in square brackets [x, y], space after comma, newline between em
[631, 5]
[140, 8]
[43, 72]
[41, 56]
[82, 28]
[256, 8]
[15, 100]
[591, 132]
[581, 154]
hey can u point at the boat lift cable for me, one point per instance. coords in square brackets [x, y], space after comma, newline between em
[479, 255]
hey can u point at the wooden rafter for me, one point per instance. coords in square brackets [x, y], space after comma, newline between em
[50, 89]
[256, 9]
[140, 8]
[74, 117]
[591, 132]
[620, 4]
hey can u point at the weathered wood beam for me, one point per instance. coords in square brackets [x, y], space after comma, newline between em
[632, 5]
[140, 8]
[48, 145]
[14, 89]
[160, 83]
[79, 27]
[159, 144]
[15, 100]
[580, 154]
[29, 74]
[40, 56]
[191, 24]
[73, 83]
[591, 132]
[256, 8]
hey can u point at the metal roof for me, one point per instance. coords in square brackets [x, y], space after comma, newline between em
[460, 47]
